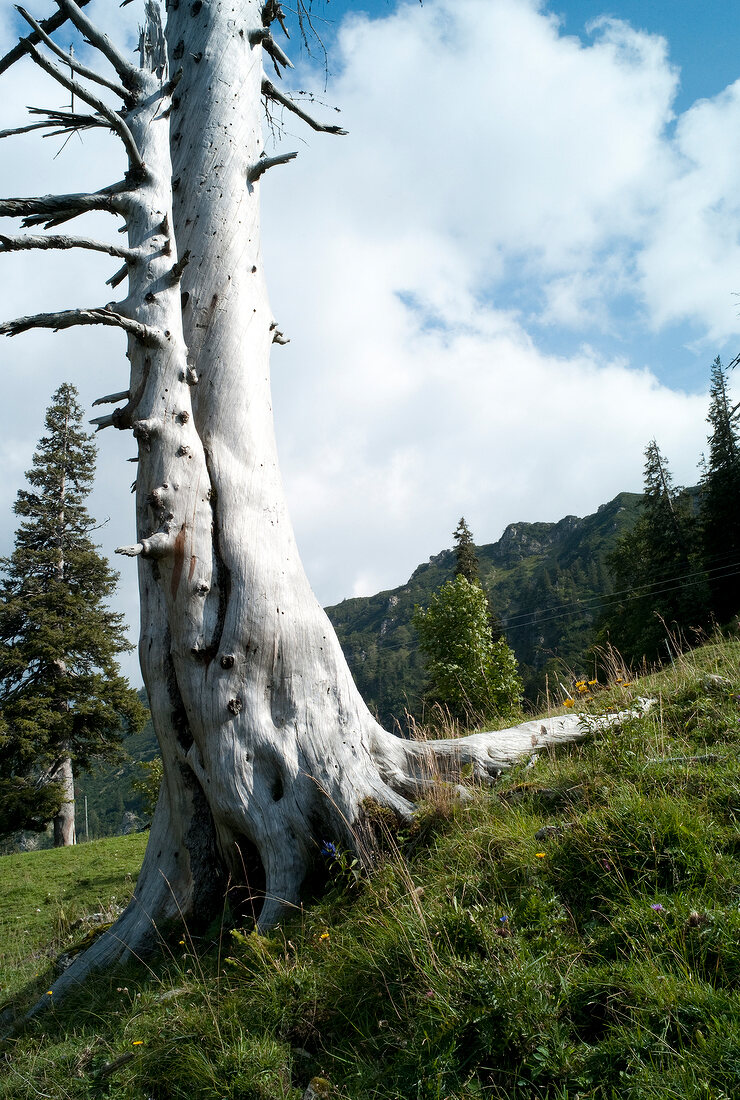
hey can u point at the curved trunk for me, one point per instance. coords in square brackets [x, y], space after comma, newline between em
[64, 822]
[268, 748]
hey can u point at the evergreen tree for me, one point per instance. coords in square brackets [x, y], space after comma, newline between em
[469, 673]
[656, 571]
[720, 496]
[63, 701]
[466, 565]
[466, 560]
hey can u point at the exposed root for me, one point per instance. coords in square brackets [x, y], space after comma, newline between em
[412, 767]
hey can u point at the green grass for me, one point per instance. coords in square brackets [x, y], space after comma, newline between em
[571, 934]
[43, 896]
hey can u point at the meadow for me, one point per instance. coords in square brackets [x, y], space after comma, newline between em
[571, 933]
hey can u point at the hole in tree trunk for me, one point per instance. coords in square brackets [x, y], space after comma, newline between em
[277, 788]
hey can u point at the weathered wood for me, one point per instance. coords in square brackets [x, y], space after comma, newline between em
[58, 241]
[52, 24]
[114, 120]
[267, 746]
[70, 62]
[68, 318]
[269, 90]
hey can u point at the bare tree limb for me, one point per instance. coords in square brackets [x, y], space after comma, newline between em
[27, 129]
[54, 209]
[262, 37]
[52, 24]
[81, 70]
[269, 45]
[112, 398]
[125, 69]
[179, 267]
[130, 551]
[106, 421]
[116, 122]
[22, 244]
[67, 121]
[71, 317]
[269, 90]
[118, 277]
[271, 11]
[264, 163]
[155, 546]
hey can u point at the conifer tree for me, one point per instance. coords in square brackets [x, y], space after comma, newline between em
[656, 570]
[466, 559]
[466, 565]
[720, 494]
[63, 700]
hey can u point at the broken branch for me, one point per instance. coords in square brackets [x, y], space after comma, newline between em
[118, 277]
[53, 209]
[127, 72]
[116, 122]
[264, 163]
[269, 90]
[53, 23]
[81, 70]
[21, 244]
[111, 399]
[69, 317]
[106, 421]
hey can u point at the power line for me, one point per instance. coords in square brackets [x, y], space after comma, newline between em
[633, 592]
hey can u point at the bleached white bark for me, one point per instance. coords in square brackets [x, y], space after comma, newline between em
[268, 748]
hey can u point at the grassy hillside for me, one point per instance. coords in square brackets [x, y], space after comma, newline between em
[49, 900]
[572, 933]
[545, 580]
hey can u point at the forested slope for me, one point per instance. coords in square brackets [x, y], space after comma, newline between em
[546, 582]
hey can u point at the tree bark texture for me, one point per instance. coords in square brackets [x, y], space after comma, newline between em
[268, 749]
[64, 822]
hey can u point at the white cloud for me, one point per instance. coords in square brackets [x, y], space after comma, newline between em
[502, 187]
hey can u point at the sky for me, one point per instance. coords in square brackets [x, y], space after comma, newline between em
[511, 275]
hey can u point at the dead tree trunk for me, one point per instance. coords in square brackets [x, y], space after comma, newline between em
[268, 748]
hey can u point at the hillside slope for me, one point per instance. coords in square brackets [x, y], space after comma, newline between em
[572, 932]
[545, 581]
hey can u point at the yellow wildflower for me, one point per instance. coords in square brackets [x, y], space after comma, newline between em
[540, 855]
[137, 1043]
[568, 703]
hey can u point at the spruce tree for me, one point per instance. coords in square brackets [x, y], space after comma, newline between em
[63, 701]
[720, 494]
[656, 571]
[466, 560]
[466, 565]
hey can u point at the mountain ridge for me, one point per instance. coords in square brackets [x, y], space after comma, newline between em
[537, 574]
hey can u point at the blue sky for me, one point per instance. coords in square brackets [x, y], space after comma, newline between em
[513, 272]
